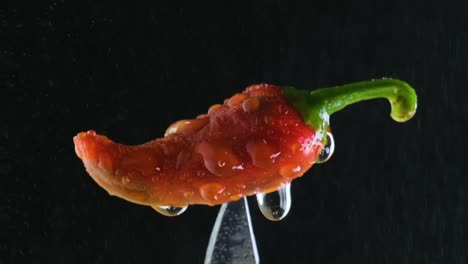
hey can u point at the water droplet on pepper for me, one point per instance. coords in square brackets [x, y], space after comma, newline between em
[105, 161]
[211, 191]
[168, 210]
[187, 127]
[275, 205]
[218, 159]
[213, 108]
[327, 150]
[262, 154]
[251, 104]
[236, 99]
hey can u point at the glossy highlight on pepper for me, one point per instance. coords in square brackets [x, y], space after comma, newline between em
[256, 142]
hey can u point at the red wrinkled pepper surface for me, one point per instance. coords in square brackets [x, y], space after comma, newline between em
[255, 142]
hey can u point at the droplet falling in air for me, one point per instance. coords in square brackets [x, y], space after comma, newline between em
[327, 150]
[168, 210]
[276, 205]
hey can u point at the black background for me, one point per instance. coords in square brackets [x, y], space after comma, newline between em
[392, 193]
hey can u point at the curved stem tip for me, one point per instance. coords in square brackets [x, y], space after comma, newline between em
[318, 105]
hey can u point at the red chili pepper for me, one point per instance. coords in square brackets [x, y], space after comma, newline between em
[256, 142]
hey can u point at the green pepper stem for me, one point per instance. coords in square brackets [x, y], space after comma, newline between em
[318, 105]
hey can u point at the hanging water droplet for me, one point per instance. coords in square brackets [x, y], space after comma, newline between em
[168, 210]
[327, 150]
[275, 206]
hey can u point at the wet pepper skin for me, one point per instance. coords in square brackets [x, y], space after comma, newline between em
[255, 142]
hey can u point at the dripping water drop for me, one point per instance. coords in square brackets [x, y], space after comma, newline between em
[168, 210]
[327, 150]
[275, 205]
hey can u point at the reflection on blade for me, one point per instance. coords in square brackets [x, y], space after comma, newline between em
[232, 239]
